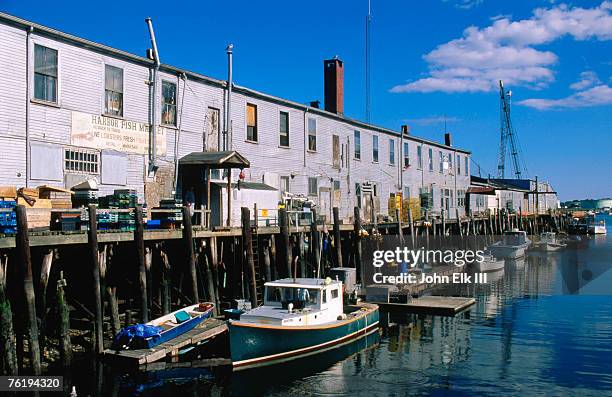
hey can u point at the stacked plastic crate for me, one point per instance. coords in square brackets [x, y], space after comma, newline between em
[8, 220]
[171, 219]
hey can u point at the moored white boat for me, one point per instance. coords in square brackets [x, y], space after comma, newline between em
[490, 264]
[597, 227]
[548, 243]
[513, 245]
[299, 317]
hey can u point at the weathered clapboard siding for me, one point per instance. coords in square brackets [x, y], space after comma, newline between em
[81, 88]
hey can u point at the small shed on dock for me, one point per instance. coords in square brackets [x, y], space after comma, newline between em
[198, 170]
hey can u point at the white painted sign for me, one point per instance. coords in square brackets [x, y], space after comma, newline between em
[101, 132]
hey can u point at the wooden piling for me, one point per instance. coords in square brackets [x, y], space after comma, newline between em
[285, 242]
[267, 263]
[411, 222]
[165, 282]
[22, 244]
[443, 219]
[400, 230]
[189, 251]
[113, 308]
[211, 296]
[7, 335]
[337, 237]
[357, 243]
[314, 242]
[65, 345]
[247, 240]
[45, 270]
[142, 267]
[459, 222]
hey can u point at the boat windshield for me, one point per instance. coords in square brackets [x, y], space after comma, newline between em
[514, 238]
[300, 297]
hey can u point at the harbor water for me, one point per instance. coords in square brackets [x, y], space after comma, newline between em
[540, 326]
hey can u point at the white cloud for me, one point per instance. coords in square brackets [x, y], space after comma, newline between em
[440, 119]
[587, 79]
[594, 96]
[467, 4]
[505, 50]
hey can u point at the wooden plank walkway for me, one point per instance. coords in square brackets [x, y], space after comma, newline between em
[433, 305]
[208, 330]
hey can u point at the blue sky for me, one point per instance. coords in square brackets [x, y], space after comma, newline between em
[431, 60]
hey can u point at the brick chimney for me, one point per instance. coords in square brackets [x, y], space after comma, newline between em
[448, 141]
[334, 85]
[405, 130]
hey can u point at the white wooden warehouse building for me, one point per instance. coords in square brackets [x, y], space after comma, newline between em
[72, 109]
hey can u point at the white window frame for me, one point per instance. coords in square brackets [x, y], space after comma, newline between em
[312, 134]
[391, 151]
[58, 88]
[375, 149]
[357, 145]
[281, 134]
[87, 165]
[104, 112]
[163, 103]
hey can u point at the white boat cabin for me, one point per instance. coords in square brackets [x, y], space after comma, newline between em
[298, 302]
[515, 237]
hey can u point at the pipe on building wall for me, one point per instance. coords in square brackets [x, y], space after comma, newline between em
[29, 31]
[305, 134]
[177, 141]
[153, 135]
[227, 144]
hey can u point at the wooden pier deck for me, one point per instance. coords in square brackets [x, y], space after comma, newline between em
[433, 305]
[208, 330]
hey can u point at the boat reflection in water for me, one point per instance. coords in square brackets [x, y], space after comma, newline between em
[253, 382]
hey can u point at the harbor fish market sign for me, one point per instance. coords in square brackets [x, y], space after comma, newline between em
[101, 132]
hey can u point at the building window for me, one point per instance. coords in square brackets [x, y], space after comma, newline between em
[336, 152]
[312, 135]
[336, 184]
[430, 159]
[284, 184]
[81, 161]
[284, 129]
[357, 136]
[313, 186]
[441, 162]
[391, 151]
[251, 116]
[420, 157]
[458, 165]
[375, 148]
[450, 162]
[113, 90]
[460, 198]
[45, 73]
[467, 172]
[168, 103]
[358, 194]
[406, 194]
[480, 201]
[426, 198]
[406, 155]
[334, 294]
